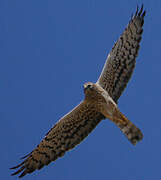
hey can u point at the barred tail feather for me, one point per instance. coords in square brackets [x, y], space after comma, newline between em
[133, 134]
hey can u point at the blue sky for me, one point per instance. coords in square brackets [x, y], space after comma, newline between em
[48, 49]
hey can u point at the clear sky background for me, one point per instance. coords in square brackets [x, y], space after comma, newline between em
[48, 49]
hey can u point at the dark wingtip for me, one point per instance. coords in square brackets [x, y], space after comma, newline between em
[21, 169]
[23, 174]
[137, 9]
[144, 13]
[26, 155]
[140, 12]
[15, 167]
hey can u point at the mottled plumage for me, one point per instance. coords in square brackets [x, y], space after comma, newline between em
[100, 102]
[121, 60]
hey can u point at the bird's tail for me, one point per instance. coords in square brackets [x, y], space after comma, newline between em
[133, 133]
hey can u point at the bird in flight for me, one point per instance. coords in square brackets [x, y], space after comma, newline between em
[100, 102]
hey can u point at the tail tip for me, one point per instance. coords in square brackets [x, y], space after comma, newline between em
[135, 137]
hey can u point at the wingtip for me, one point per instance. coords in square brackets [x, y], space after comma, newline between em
[20, 170]
[144, 13]
[137, 9]
[140, 12]
[26, 156]
[22, 174]
[15, 167]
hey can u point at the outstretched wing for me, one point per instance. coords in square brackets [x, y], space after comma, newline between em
[65, 135]
[121, 60]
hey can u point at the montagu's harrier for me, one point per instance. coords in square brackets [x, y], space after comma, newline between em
[100, 102]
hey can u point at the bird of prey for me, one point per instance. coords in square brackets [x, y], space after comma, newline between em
[100, 102]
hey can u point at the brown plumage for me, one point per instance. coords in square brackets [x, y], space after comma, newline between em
[121, 60]
[67, 132]
[100, 102]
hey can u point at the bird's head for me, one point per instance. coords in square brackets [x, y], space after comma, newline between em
[89, 86]
[95, 93]
[90, 90]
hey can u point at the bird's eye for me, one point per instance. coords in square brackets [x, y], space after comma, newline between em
[89, 86]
